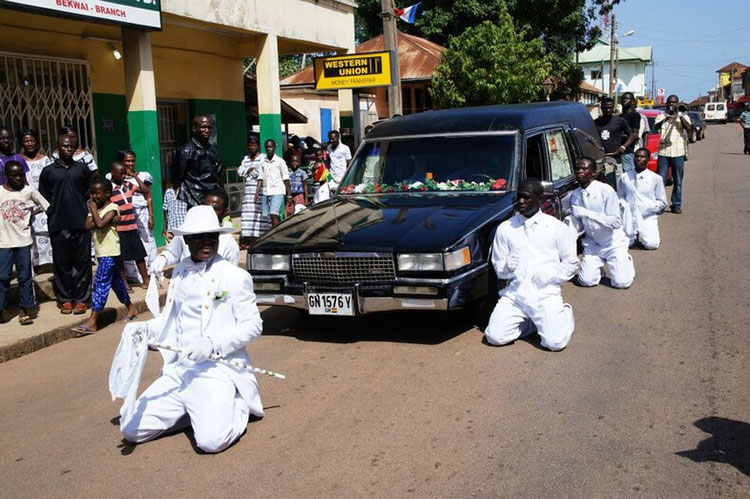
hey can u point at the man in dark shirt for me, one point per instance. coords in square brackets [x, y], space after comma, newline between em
[633, 118]
[65, 184]
[196, 168]
[616, 137]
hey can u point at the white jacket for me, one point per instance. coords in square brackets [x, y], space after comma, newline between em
[230, 318]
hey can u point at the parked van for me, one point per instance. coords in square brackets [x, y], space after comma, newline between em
[715, 111]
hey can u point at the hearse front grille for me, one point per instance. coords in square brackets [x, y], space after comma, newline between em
[348, 268]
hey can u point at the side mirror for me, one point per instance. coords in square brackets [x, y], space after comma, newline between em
[549, 189]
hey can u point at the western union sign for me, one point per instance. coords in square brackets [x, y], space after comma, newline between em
[372, 69]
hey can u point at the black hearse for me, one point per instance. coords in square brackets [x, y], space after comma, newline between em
[413, 220]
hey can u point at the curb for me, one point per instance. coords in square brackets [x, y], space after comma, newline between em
[62, 333]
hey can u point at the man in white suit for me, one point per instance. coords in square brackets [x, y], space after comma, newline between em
[210, 311]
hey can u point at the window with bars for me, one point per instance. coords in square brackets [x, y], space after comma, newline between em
[44, 94]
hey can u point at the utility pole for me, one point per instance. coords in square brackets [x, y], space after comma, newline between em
[391, 45]
[612, 49]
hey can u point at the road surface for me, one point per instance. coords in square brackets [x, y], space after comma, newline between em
[651, 398]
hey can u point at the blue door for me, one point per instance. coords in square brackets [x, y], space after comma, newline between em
[325, 123]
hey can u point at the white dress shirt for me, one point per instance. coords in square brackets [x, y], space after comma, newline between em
[644, 192]
[545, 246]
[603, 224]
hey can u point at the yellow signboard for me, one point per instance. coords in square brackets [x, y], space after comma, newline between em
[645, 102]
[371, 69]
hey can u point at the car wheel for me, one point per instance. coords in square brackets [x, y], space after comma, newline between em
[480, 310]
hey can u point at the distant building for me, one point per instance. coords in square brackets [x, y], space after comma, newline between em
[418, 59]
[589, 94]
[731, 81]
[631, 68]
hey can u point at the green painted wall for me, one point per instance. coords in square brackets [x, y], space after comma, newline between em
[270, 128]
[111, 128]
[144, 140]
[231, 128]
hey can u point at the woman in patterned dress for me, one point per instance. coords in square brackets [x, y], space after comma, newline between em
[41, 252]
[254, 224]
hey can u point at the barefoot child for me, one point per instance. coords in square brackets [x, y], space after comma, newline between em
[102, 221]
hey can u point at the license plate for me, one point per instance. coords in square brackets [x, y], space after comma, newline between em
[330, 304]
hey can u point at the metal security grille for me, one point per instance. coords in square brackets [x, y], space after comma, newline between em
[45, 94]
[349, 268]
[166, 113]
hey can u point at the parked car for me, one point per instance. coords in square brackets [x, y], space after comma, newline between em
[699, 128]
[654, 137]
[412, 223]
[715, 111]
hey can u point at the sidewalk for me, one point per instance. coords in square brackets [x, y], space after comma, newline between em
[51, 327]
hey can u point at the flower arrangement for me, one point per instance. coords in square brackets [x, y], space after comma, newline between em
[429, 185]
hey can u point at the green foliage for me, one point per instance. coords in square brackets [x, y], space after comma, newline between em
[491, 63]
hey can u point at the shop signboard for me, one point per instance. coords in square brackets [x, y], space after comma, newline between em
[371, 69]
[145, 14]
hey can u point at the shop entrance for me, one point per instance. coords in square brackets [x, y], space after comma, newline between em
[44, 94]
[173, 131]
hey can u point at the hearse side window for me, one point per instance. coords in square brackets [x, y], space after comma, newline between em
[559, 156]
[468, 158]
[535, 157]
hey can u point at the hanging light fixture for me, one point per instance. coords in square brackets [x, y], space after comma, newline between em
[115, 52]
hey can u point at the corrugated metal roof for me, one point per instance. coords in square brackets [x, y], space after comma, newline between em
[418, 59]
[601, 53]
[732, 66]
[588, 87]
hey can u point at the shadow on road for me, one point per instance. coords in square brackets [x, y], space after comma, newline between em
[430, 328]
[729, 443]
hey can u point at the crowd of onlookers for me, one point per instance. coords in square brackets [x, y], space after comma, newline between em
[57, 211]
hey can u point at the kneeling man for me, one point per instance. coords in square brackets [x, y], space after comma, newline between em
[596, 210]
[641, 191]
[210, 309]
[536, 253]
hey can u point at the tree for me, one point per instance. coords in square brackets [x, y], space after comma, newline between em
[491, 63]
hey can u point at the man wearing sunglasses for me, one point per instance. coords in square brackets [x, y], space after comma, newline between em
[210, 312]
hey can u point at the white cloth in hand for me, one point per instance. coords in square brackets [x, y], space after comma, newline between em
[157, 266]
[200, 350]
[580, 212]
[127, 365]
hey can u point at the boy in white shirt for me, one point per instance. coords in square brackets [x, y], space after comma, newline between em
[642, 196]
[273, 183]
[596, 211]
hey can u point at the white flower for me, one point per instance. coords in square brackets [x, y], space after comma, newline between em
[445, 186]
[360, 188]
[416, 185]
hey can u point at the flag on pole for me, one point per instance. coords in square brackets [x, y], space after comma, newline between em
[409, 14]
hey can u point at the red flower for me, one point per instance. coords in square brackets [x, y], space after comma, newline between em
[378, 188]
[348, 189]
[499, 184]
[389, 189]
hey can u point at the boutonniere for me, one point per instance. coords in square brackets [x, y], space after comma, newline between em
[220, 295]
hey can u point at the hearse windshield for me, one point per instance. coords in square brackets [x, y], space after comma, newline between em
[460, 163]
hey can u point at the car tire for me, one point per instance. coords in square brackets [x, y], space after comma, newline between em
[480, 310]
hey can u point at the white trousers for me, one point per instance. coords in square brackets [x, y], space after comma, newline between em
[553, 320]
[618, 262]
[217, 413]
[648, 233]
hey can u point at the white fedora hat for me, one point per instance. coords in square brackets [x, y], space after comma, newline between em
[200, 220]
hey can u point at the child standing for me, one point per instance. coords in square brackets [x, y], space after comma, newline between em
[298, 181]
[122, 195]
[273, 184]
[174, 211]
[102, 222]
[18, 203]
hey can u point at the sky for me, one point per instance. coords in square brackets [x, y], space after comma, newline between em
[691, 39]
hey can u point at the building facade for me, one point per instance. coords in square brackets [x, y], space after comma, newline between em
[631, 63]
[125, 84]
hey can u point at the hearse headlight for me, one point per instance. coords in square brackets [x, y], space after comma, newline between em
[277, 263]
[420, 262]
[457, 259]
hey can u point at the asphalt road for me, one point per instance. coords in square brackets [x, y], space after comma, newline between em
[650, 399]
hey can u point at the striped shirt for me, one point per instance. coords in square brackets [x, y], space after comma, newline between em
[122, 196]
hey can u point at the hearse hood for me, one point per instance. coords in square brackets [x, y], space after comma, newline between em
[422, 222]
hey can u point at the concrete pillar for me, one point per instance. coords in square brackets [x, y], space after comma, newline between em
[140, 94]
[346, 105]
[269, 93]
